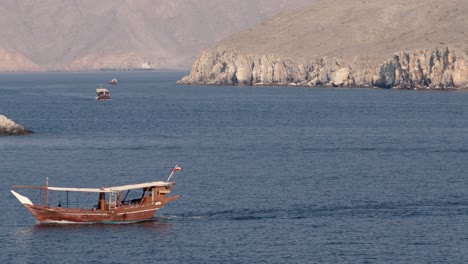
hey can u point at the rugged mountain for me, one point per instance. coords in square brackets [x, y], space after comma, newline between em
[89, 34]
[402, 44]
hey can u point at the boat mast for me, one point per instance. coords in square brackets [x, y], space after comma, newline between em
[176, 168]
[47, 192]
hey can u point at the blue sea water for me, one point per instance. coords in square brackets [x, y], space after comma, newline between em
[270, 174]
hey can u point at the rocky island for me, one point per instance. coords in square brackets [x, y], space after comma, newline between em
[9, 127]
[420, 44]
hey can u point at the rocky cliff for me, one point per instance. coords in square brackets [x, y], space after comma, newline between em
[439, 68]
[435, 69]
[405, 45]
[9, 127]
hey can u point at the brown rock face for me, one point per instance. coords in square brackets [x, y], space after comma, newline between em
[398, 44]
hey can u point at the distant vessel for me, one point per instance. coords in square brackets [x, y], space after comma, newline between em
[114, 204]
[102, 94]
[113, 81]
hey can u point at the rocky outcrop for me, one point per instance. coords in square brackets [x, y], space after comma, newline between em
[9, 127]
[424, 69]
[439, 68]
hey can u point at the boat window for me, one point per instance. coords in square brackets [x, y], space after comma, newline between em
[149, 192]
[131, 197]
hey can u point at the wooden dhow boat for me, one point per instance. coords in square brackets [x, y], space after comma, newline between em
[118, 204]
[102, 94]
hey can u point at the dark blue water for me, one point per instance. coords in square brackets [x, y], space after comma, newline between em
[270, 174]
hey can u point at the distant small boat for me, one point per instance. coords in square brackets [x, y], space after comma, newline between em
[117, 204]
[102, 94]
[113, 81]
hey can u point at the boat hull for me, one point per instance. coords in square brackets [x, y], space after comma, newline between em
[103, 98]
[75, 215]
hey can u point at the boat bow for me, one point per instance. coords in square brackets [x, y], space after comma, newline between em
[23, 199]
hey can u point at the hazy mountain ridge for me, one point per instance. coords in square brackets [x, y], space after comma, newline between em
[340, 27]
[404, 44]
[86, 34]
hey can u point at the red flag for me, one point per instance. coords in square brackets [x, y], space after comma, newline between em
[177, 168]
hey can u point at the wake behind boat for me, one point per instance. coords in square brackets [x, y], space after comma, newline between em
[114, 204]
